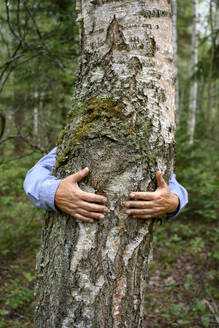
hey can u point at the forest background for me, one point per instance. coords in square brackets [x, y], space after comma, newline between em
[39, 48]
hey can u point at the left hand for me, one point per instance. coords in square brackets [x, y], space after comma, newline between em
[147, 205]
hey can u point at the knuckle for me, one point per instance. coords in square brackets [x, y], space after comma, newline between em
[74, 193]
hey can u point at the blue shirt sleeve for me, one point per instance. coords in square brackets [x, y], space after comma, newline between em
[40, 185]
[182, 194]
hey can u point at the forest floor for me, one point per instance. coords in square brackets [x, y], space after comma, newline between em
[183, 285]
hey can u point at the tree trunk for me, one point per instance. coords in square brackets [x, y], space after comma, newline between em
[19, 114]
[194, 82]
[175, 51]
[36, 114]
[122, 127]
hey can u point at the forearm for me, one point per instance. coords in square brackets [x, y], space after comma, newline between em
[40, 185]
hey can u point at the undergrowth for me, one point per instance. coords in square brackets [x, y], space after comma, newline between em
[19, 242]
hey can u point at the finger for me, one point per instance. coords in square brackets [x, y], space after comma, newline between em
[160, 180]
[83, 218]
[92, 207]
[143, 211]
[93, 215]
[144, 216]
[149, 195]
[139, 204]
[89, 197]
[80, 175]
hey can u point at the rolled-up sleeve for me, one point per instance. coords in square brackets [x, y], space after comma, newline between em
[182, 194]
[40, 185]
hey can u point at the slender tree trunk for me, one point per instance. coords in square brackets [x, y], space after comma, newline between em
[175, 49]
[217, 23]
[36, 114]
[194, 82]
[215, 101]
[214, 23]
[19, 144]
[122, 127]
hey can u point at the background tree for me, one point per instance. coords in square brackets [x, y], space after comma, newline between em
[194, 82]
[175, 48]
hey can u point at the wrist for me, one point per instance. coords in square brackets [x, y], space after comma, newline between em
[174, 203]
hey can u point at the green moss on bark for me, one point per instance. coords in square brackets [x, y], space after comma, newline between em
[105, 118]
[95, 114]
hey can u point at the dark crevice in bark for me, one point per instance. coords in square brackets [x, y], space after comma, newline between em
[115, 38]
[135, 65]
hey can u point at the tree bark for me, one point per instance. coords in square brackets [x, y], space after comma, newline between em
[122, 127]
[175, 51]
[194, 82]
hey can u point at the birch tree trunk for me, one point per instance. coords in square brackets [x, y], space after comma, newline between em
[194, 82]
[175, 51]
[215, 112]
[36, 114]
[122, 127]
[217, 23]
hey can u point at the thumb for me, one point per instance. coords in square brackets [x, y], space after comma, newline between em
[160, 180]
[80, 175]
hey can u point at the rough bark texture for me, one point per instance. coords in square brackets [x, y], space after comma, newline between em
[122, 128]
[194, 83]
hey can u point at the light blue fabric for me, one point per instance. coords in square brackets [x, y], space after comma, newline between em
[40, 185]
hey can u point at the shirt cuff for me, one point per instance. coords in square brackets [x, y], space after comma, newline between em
[182, 194]
[174, 214]
[47, 194]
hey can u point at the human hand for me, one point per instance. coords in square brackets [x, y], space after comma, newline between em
[81, 205]
[147, 205]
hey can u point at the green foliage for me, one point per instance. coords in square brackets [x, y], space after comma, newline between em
[188, 282]
[19, 242]
[17, 224]
[39, 72]
[197, 169]
[18, 295]
[184, 274]
[197, 244]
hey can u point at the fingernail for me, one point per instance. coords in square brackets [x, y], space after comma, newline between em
[132, 195]
[104, 200]
[105, 209]
[127, 212]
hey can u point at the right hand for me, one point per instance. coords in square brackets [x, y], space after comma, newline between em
[82, 205]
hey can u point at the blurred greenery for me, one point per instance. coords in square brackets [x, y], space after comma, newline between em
[19, 242]
[39, 49]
